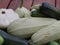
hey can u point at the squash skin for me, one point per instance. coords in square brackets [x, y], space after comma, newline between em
[49, 11]
[25, 27]
[36, 6]
[53, 43]
[12, 40]
[23, 12]
[47, 34]
[6, 17]
[35, 11]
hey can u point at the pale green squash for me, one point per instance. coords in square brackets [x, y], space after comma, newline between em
[22, 11]
[47, 34]
[25, 27]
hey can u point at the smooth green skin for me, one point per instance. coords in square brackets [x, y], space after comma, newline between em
[37, 14]
[59, 41]
[53, 43]
[1, 40]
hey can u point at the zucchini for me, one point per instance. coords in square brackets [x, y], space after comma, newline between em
[53, 43]
[1, 40]
[50, 11]
[11, 40]
[35, 11]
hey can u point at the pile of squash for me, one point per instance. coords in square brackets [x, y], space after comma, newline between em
[40, 26]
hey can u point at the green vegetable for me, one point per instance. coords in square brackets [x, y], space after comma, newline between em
[35, 12]
[1, 40]
[11, 40]
[25, 27]
[53, 43]
[50, 11]
[22, 11]
[59, 41]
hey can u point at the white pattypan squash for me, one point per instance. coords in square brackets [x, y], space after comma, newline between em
[25, 27]
[6, 17]
[22, 11]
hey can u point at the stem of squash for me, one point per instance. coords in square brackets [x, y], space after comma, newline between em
[21, 3]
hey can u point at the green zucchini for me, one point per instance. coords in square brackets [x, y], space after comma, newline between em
[1, 40]
[53, 43]
[25, 27]
[35, 13]
[50, 11]
[11, 40]
[47, 34]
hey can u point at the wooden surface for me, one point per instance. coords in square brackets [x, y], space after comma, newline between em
[58, 4]
[4, 3]
[9, 4]
[14, 4]
[27, 3]
[41, 1]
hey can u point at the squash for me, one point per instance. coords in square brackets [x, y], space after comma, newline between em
[22, 11]
[47, 34]
[50, 11]
[1, 40]
[25, 27]
[53, 43]
[6, 17]
[8, 39]
[35, 12]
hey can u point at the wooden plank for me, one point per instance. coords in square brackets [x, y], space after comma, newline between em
[52, 2]
[4, 3]
[38, 2]
[58, 4]
[41, 1]
[27, 3]
[14, 4]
